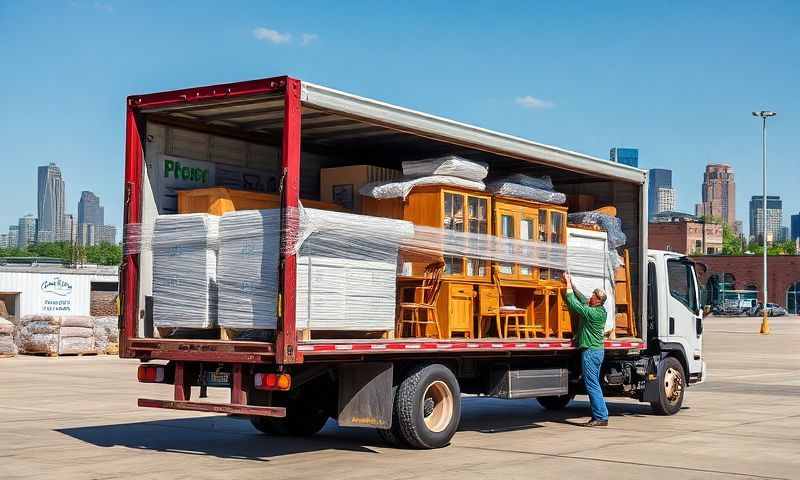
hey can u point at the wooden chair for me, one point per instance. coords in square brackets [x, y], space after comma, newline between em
[425, 297]
[513, 317]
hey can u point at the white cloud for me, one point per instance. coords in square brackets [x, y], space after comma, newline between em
[104, 7]
[271, 36]
[532, 102]
[308, 38]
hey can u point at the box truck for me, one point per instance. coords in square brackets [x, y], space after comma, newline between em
[275, 136]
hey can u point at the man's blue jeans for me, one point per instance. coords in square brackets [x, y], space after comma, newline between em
[591, 360]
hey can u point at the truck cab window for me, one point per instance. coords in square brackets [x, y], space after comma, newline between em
[681, 283]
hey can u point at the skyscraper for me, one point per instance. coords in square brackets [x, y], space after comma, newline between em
[774, 217]
[628, 156]
[795, 233]
[69, 228]
[89, 209]
[4, 241]
[718, 194]
[13, 236]
[86, 235]
[50, 200]
[108, 234]
[665, 200]
[658, 178]
[27, 231]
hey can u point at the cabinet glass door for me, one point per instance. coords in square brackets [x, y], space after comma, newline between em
[544, 236]
[507, 231]
[453, 219]
[557, 222]
[477, 222]
[526, 233]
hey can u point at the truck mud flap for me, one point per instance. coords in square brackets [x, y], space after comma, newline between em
[365, 395]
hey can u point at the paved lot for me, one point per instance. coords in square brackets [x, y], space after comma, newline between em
[75, 418]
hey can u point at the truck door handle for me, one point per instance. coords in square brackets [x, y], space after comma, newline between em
[672, 325]
[698, 325]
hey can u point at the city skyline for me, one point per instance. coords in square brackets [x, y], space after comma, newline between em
[86, 228]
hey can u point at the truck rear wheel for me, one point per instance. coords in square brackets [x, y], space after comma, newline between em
[302, 419]
[672, 383]
[555, 402]
[393, 436]
[428, 406]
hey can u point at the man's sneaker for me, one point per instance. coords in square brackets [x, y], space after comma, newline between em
[596, 423]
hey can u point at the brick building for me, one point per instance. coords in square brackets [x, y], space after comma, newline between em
[718, 193]
[746, 271]
[684, 233]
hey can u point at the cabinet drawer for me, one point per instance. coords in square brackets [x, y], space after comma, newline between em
[460, 290]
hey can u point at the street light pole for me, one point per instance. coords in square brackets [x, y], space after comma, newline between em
[764, 114]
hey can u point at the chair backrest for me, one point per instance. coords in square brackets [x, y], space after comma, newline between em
[433, 282]
[496, 278]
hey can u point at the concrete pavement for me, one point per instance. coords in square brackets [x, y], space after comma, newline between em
[76, 418]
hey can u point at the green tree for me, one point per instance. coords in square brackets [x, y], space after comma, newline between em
[731, 244]
[103, 254]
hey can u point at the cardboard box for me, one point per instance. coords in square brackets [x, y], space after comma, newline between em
[340, 185]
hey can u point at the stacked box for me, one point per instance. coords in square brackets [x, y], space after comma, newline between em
[185, 270]
[345, 277]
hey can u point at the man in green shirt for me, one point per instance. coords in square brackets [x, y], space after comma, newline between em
[589, 339]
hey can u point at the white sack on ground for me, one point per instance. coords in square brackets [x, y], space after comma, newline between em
[185, 270]
[402, 187]
[75, 345]
[7, 345]
[450, 165]
[106, 333]
[76, 321]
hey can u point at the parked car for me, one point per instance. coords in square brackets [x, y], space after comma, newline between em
[773, 310]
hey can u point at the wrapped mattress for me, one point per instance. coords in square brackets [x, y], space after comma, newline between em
[450, 165]
[346, 269]
[402, 187]
[185, 270]
[528, 188]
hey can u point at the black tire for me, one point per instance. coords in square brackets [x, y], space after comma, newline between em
[672, 387]
[555, 402]
[428, 406]
[393, 436]
[302, 419]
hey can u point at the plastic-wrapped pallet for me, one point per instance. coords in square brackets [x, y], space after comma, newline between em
[7, 345]
[528, 188]
[589, 264]
[346, 266]
[450, 165]
[39, 334]
[106, 333]
[185, 270]
[75, 335]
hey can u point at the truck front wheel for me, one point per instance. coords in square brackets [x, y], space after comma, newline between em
[672, 383]
[428, 406]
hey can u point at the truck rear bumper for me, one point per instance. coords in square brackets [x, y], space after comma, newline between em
[228, 408]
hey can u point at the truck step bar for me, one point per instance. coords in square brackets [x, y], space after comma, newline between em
[214, 407]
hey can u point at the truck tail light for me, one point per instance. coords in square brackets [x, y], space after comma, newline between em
[151, 374]
[273, 381]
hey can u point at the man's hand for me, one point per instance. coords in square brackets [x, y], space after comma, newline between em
[568, 278]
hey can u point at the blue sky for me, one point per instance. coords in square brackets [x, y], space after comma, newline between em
[677, 80]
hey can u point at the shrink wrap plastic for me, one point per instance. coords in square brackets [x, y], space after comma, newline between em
[528, 188]
[185, 270]
[39, 334]
[106, 332]
[450, 165]
[346, 264]
[611, 225]
[588, 276]
[402, 187]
